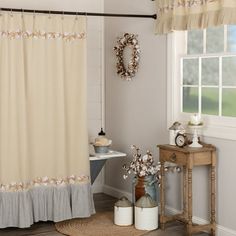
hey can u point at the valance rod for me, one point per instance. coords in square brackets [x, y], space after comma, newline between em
[154, 16]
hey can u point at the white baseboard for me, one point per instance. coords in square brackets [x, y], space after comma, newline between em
[117, 193]
[97, 188]
[220, 230]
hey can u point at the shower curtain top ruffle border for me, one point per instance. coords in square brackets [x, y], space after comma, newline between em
[41, 26]
[42, 35]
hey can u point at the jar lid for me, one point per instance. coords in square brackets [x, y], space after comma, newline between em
[123, 202]
[176, 126]
[146, 201]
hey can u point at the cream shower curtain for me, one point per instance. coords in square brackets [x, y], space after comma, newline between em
[44, 165]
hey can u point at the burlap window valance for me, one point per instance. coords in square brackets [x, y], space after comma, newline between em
[193, 14]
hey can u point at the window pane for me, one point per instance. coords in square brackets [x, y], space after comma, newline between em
[190, 71]
[228, 102]
[231, 44]
[210, 71]
[228, 71]
[210, 101]
[195, 41]
[215, 39]
[190, 99]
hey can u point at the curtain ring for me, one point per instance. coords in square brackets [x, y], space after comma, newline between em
[85, 14]
[34, 14]
[22, 12]
[62, 17]
[11, 13]
[76, 16]
[49, 17]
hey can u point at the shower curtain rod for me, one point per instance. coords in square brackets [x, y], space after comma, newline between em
[154, 16]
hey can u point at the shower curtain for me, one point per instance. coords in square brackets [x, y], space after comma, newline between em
[44, 165]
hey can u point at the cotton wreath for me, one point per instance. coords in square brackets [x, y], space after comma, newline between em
[131, 41]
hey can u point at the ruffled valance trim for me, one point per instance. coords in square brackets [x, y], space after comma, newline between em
[44, 181]
[173, 4]
[168, 23]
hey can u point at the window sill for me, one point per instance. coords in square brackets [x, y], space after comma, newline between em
[213, 130]
[219, 132]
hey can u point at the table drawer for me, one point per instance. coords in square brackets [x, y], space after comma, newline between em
[173, 157]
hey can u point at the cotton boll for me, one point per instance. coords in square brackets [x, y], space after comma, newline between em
[145, 158]
[133, 147]
[144, 168]
[125, 176]
[142, 173]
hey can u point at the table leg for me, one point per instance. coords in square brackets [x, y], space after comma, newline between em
[213, 195]
[190, 200]
[185, 192]
[162, 196]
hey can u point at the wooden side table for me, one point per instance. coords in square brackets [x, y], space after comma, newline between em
[188, 158]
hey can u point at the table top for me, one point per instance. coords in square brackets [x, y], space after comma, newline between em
[106, 156]
[186, 149]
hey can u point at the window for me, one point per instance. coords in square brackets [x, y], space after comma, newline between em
[202, 78]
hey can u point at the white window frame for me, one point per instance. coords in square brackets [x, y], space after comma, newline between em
[214, 126]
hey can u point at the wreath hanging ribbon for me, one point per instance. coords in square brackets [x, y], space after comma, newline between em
[129, 71]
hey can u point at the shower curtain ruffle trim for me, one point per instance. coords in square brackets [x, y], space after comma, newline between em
[45, 203]
[44, 181]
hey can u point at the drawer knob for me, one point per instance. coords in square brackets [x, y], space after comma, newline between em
[173, 157]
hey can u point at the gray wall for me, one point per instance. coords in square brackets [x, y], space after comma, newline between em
[226, 178]
[136, 114]
[135, 110]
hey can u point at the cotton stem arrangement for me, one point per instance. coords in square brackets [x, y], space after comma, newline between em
[143, 165]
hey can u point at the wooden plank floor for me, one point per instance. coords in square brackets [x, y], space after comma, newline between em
[102, 202]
